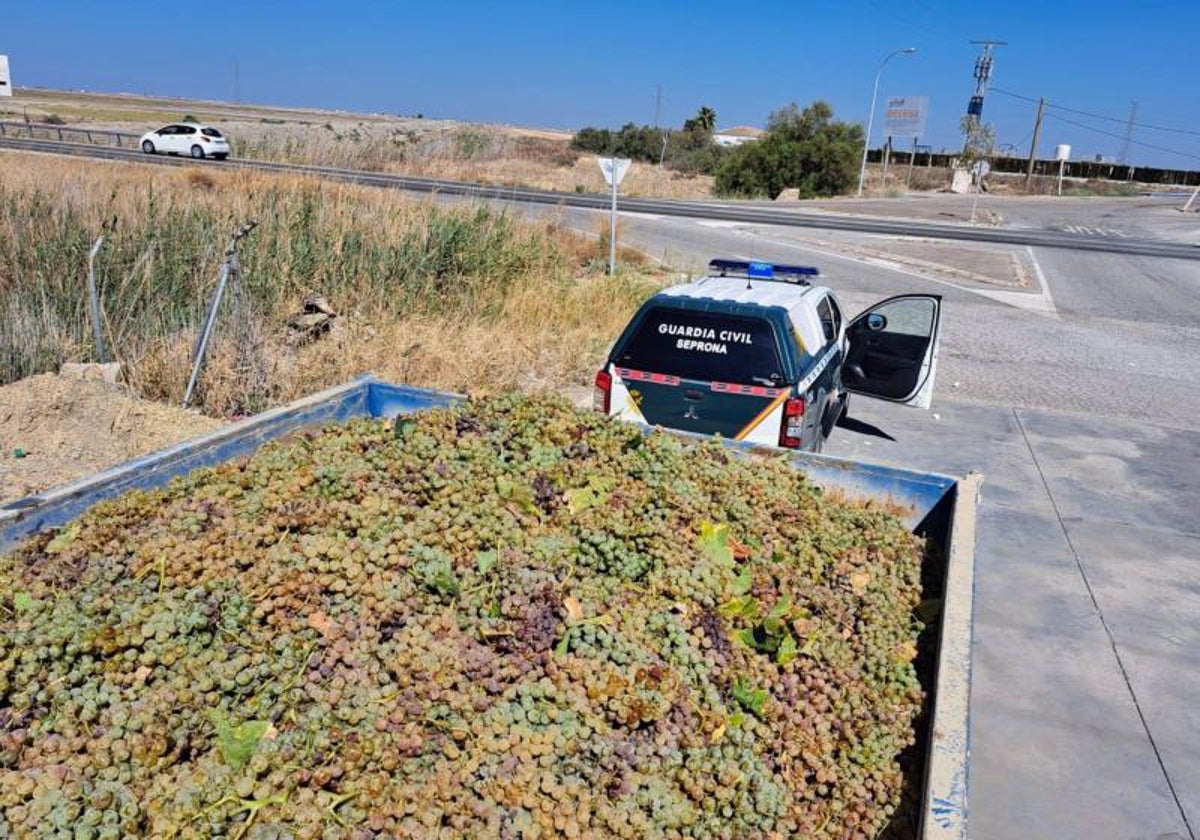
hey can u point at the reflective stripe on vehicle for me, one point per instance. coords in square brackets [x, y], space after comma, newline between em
[813, 374]
[643, 376]
[762, 415]
[748, 390]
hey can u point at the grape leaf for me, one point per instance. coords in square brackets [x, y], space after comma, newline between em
[63, 539]
[238, 743]
[564, 644]
[749, 698]
[743, 582]
[743, 605]
[519, 494]
[24, 601]
[714, 542]
[485, 561]
[788, 650]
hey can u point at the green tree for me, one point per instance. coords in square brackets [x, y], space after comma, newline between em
[979, 142]
[705, 121]
[691, 150]
[805, 149]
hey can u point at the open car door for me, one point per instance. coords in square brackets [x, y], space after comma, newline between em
[891, 350]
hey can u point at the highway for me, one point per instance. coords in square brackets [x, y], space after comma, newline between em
[711, 210]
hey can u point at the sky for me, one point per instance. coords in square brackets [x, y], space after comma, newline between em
[567, 64]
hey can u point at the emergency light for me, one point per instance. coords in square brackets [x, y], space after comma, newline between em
[762, 270]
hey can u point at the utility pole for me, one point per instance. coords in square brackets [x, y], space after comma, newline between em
[983, 77]
[1123, 157]
[1037, 133]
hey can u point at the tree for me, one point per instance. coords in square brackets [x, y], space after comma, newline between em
[803, 149]
[691, 150]
[704, 122]
[979, 142]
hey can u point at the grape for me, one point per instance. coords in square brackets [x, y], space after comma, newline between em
[504, 619]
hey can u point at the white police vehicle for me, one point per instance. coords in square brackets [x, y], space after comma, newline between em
[757, 352]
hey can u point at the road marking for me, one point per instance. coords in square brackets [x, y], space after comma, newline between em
[1039, 303]
[1041, 278]
[1083, 230]
[719, 223]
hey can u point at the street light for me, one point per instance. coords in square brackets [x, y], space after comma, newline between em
[862, 171]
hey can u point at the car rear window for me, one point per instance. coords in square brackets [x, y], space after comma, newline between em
[708, 346]
[210, 132]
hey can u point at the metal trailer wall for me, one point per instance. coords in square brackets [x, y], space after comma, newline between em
[941, 508]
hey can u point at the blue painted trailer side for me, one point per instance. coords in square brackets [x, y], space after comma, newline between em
[938, 506]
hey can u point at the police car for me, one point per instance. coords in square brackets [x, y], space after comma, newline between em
[758, 352]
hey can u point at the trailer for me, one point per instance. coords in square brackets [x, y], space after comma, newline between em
[938, 507]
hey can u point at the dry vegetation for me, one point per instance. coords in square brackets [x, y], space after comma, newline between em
[463, 297]
[489, 154]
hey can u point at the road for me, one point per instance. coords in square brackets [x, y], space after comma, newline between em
[726, 211]
[1103, 335]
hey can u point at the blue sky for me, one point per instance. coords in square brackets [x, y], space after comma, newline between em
[568, 64]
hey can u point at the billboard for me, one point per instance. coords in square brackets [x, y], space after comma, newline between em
[905, 116]
[5, 81]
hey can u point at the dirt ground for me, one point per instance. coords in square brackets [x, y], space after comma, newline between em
[54, 430]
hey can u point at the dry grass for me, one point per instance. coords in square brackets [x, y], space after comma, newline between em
[465, 297]
[490, 154]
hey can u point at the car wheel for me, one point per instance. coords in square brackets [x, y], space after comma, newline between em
[147, 147]
[197, 152]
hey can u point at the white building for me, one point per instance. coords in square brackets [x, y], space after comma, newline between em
[737, 135]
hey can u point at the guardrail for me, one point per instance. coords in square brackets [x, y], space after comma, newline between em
[50, 131]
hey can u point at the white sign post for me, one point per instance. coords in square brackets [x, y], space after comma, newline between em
[614, 170]
[5, 81]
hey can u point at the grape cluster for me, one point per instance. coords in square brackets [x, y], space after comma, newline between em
[506, 619]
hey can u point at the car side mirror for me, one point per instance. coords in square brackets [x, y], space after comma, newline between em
[876, 322]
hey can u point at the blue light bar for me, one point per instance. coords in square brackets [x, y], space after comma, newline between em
[762, 270]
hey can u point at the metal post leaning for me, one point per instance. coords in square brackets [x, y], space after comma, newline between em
[94, 302]
[229, 265]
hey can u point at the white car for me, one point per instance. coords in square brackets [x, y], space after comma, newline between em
[198, 141]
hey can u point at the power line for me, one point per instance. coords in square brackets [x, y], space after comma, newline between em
[1122, 137]
[1098, 116]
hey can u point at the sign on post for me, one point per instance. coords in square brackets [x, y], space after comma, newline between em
[614, 170]
[614, 166]
[905, 116]
[5, 81]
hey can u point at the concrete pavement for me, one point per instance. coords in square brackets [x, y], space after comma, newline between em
[1086, 662]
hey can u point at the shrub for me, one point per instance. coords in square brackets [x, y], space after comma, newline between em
[689, 150]
[54, 119]
[807, 150]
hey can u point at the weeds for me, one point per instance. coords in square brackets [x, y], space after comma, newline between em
[444, 296]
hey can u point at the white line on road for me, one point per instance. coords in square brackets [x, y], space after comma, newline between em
[1039, 304]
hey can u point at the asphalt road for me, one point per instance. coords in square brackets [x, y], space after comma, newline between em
[1102, 335]
[728, 211]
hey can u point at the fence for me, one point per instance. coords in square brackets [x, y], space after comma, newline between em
[1092, 170]
[66, 133]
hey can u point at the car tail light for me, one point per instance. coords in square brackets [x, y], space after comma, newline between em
[602, 393]
[791, 429]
